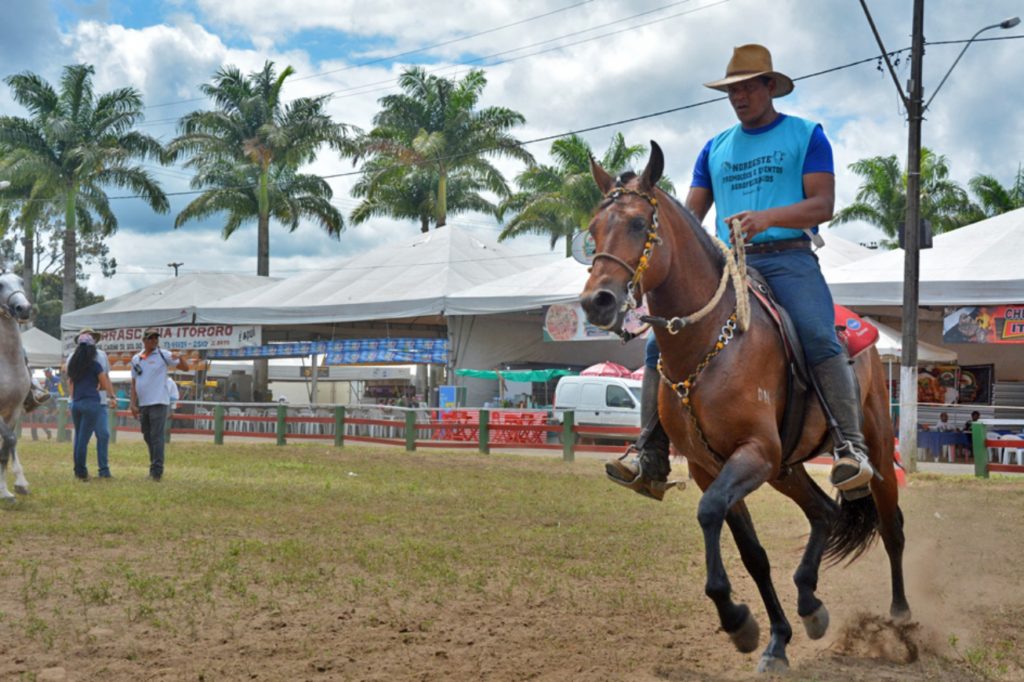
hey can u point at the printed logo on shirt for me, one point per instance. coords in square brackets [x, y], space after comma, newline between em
[748, 174]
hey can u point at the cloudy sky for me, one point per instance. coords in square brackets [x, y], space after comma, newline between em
[565, 64]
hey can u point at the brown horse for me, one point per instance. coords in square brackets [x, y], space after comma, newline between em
[729, 427]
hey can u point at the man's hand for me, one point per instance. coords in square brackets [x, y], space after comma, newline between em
[752, 223]
[135, 410]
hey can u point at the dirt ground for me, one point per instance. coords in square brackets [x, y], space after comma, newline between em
[964, 575]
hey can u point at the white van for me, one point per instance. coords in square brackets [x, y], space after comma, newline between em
[599, 401]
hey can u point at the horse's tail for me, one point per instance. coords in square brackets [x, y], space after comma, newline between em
[853, 530]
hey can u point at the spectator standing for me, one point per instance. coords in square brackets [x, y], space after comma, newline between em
[86, 377]
[102, 420]
[150, 398]
[49, 408]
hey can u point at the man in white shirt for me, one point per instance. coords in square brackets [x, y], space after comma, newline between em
[150, 397]
[943, 424]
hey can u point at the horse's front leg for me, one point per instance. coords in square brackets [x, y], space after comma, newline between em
[747, 469]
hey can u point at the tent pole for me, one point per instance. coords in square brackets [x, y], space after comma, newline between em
[314, 374]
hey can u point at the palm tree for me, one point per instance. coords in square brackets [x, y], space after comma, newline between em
[433, 137]
[246, 153]
[993, 197]
[410, 193]
[882, 197]
[74, 146]
[559, 200]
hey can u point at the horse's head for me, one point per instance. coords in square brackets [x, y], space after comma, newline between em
[625, 232]
[12, 297]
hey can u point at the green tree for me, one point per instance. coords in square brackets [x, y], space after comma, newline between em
[882, 197]
[559, 200]
[993, 197]
[434, 143]
[47, 290]
[246, 153]
[74, 146]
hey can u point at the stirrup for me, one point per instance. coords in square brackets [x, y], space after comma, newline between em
[854, 486]
[631, 475]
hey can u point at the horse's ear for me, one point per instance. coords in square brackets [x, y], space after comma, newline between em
[655, 167]
[601, 177]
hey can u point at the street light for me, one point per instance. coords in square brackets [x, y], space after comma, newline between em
[912, 234]
[1005, 23]
[175, 266]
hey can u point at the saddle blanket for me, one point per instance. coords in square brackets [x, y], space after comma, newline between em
[856, 333]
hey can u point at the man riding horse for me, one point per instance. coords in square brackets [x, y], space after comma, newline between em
[772, 173]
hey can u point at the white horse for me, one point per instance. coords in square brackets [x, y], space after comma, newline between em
[15, 380]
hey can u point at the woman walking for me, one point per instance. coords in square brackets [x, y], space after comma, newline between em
[86, 376]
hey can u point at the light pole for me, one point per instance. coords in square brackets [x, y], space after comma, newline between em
[912, 229]
[175, 266]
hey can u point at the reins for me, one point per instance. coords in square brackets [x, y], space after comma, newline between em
[734, 269]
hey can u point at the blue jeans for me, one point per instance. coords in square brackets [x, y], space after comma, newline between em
[84, 414]
[103, 441]
[800, 288]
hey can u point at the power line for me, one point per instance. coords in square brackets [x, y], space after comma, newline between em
[453, 69]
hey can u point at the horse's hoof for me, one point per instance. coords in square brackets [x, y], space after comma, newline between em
[900, 616]
[21, 489]
[816, 624]
[773, 664]
[748, 636]
[8, 500]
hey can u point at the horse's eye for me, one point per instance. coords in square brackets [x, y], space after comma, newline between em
[637, 224]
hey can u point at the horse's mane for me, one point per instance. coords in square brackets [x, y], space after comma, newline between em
[703, 238]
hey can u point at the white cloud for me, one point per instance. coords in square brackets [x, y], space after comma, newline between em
[630, 74]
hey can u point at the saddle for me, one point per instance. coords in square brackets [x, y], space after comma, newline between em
[855, 334]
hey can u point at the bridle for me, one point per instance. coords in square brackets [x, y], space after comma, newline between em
[633, 289]
[735, 269]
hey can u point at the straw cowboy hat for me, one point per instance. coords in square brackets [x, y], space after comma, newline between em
[751, 61]
[89, 330]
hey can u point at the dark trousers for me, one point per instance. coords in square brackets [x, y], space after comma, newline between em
[153, 418]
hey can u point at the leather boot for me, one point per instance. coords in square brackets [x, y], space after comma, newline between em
[37, 395]
[851, 470]
[647, 473]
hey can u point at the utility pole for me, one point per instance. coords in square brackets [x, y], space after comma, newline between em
[912, 225]
[911, 245]
[175, 266]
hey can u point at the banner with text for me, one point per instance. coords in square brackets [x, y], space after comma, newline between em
[404, 351]
[984, 324]
[191, 341]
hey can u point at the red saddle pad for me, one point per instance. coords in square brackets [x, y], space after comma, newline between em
[853, 330]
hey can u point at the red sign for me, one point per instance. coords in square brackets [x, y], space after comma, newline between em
[984, 324]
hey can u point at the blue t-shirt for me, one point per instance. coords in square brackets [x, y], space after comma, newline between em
[87, 387]
[762, 168]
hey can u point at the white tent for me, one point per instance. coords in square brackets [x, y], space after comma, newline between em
[890, 347]
[977, 264]
[43, 350]
[414, 279]
[563, 280]
[172, 301]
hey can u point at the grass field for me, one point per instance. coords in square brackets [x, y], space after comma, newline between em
[308, 562]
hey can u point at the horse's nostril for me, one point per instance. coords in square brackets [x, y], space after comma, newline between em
[604, 299]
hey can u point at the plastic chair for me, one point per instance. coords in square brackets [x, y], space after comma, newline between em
[1011, 452]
